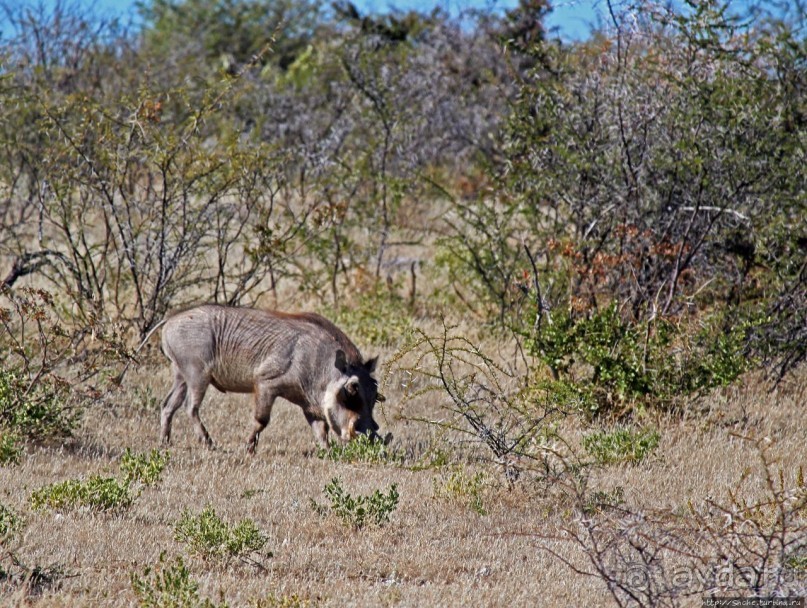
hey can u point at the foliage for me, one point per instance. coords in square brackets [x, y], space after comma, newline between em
[37, 404]
[10, 449]
[283, 601]
[376, 316]
[212, 538]
[638, 171]
[143, 468]
[33, 399]
[169, 585]
[358, 511]
[615, 362]
[37, 411]
[230, 32]
[460, 486]
[621, 445]
[99, 493]
[362, 449]
[10, 523]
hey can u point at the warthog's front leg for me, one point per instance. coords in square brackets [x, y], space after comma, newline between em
[264, 399]
[320, 429]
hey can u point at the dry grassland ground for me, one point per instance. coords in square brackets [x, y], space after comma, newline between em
[435, 551]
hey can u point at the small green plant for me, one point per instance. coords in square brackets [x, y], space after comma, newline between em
[10, 523]
[362, 449]
[460, 486]
[433, 458]
[100, 493]
[169, 585]
[10, 449]
[601, 500]
[145, 398]
[283, 601]
[97, 493]
[797, 562]
[358, 511]
[143, 468]
[621, 445]
[35, 410]
[210, 537]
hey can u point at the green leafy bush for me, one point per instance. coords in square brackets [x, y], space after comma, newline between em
[621, 445]
[602, 500]
[461, 486]
[362, 449]
[100, 493]
[10, 523]
[10, 448]
[143, 468]
[358, 511]
[377, 316]
[35, 411]
[210, 537]
[97, 493]
[608, 361]
[283, 601]
[169, 585]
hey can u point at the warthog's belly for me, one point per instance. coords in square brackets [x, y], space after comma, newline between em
[232, 379]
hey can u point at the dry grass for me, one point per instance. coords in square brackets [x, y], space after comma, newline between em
[434, 552]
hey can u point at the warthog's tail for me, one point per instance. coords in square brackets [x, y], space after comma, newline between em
[119, 378]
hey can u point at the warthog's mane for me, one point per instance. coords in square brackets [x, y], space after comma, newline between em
[352, 353]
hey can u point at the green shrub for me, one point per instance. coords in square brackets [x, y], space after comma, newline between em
[603, 361]
[10, 449]
[169, 585]
[362, 449]
[35, 411]
[283, 601]
[797, 562]
[602, 500]
[208, 536]
[143, 468]
[358, 511]
[10, 523]
[100, 493]
[378, 317]
[460, 486]
[96, 493]
[621, 445]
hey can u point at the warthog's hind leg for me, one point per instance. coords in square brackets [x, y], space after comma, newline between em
[172, 402]
[197, 393]
[264, 399]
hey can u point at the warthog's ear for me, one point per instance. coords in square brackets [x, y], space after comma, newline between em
[341, 361]
[370, 364]
[352, 386]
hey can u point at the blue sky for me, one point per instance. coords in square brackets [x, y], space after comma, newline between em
[572, 18]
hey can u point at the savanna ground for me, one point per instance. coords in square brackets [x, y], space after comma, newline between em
[477, 540]
[583, 264]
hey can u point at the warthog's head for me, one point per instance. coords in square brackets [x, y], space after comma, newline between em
[357, 394]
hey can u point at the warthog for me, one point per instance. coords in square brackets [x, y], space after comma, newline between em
[303, 358]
